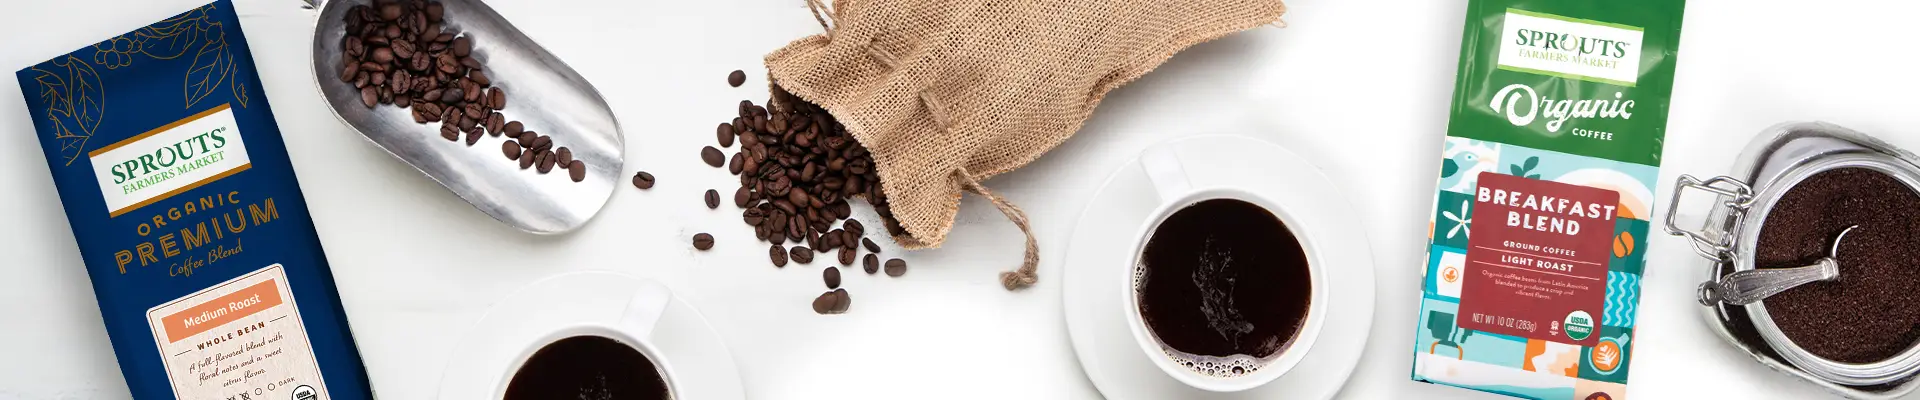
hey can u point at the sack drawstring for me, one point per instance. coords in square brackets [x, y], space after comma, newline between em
[818, 10]
[1030, 266]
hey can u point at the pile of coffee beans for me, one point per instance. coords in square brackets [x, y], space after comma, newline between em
[398, 52]
[798, 169]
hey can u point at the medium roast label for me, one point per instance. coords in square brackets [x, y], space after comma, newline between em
[1538, 263]
[239, 339]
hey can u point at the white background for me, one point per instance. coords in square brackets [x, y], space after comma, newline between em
[1360, 86]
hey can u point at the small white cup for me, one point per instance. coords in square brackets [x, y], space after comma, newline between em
[634, 329]
[1176, 192]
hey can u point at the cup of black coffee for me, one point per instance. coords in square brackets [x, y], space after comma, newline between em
[597, 361]
[1224, 294]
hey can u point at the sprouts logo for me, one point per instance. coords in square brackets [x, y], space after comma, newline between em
[1574, 48]
[169, 160]
[1556, 45]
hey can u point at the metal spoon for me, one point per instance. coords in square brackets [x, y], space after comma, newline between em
[543, 93]
[1746, 287]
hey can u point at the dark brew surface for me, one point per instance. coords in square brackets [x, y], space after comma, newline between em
[587, 368]
[1224, 277]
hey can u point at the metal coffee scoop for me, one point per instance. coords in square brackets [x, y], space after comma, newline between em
[1746, 287]
[543, 92]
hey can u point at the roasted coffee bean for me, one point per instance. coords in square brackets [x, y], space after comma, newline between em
[526, 139]
[643, 180]
[369, 96]
[737, 165]
[801, 254]
[480, 77]
[462, 46]
[565, 154]
[847, 255]
[703, 241]
[403, 49]
[871, 246]
[577, 171]
[495, 123]
[896, 267]
[824, 304]
[497, 98]
[527, 159]
[724, 133]
[473, 135]
[736, 78]
[512, 151]
[841, 210]
[546, 162]
[390, 11]
[474, 111]
[351, 71]
[543, 143]
[712, 156]
[854, 227]
[871, 263]
[713, 199]
[420, 63]
[829, 240]
[778, 255]
[513, 129]
[848, 242]
[382, 55]
[832, 277]
[449, 132]
[743, 197]
[842, 301]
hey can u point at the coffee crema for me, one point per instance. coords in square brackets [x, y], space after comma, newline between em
[588, 368]
[1223, 287]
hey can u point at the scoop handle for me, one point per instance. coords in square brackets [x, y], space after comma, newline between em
[1746, 287]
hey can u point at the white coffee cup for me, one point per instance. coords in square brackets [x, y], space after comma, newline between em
[634, 328]
[1176, 192]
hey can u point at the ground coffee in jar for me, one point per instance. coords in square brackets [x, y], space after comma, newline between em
[1872, 312]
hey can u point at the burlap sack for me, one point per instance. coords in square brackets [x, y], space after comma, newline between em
[947, 93]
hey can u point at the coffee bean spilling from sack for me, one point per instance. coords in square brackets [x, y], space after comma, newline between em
[398, 52]
[798, 169]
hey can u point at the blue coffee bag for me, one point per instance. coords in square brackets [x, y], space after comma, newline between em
[173, 174]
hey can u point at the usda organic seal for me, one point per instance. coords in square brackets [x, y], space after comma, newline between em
[1579, 325]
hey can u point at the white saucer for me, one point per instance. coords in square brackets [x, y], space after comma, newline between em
[702, 366]
[1098, 261]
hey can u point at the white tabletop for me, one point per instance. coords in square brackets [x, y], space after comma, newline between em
[1360, 86]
